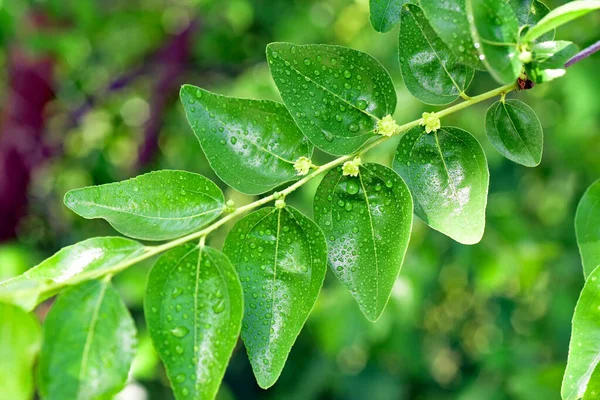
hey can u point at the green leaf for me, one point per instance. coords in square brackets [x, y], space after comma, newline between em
[281, 258]
[447, 174]
[160, 205]
[515, 131]
[530, 12]
[250, 144]
[193, 309]
[367, 221]
[449, 20]
[335, 94]
[430, 70]
[592, 391]
[560, 16]
[20, 338]
[584, 349]
[82, 261]
[89, 344]
[587, 228]
[495, 29]
[554, 54]
[385, 13]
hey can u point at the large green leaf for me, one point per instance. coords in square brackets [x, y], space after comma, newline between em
[495, 30]
[515, 131]
[250, 144]
[193, 309]
[587, 228]
[71, 265]
[449, 20]
[335, 94]
[584, 349]
[385, 13]
[530, 12]
[430, 70]
[560, 16]
[20, 337]
[592, 392]
[448, 177]
[281, 258]
[88, 346]
[160, 205]
[367, 220]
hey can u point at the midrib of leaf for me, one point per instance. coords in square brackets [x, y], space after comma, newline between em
[116, 209]
[374, 241]
[200, 249]
[90, 337]
[512, 123]
[274, 279]
[387, 6]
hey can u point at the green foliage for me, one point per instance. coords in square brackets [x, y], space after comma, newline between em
[194, 309]
[385, 13]
[549, 60]
[281, 258]
[530, 12]
[89, 343]
[587, 228]
[592, 392]
[560, 16]
[515, 131]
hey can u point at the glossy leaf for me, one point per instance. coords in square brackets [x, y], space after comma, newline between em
[553, 54]
[88, 346]
[447, 174]
[193, 309]
[250, 144]
[385, 13]
[449, 20]
[281, 258]
[592, 391]
[515, 131]
[430, 70]
[160, 205]
[367, 222]
[71, 265]
[530, 12]
[560, 16]
[587, 228]
[335, 94]
[495, 28]
[20, 338]
[584, 349]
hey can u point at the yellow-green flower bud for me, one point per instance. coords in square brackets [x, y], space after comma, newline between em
[387, 126]
[431, 122]
[302, 165]
[350, 168]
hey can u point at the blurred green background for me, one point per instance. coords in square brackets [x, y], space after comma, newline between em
[88, 93]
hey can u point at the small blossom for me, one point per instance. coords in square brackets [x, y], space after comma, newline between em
[302, 165]
[350, 168]
[525, 57]
[387, 126]
[279, 203]
[431, 121]
[229, 206]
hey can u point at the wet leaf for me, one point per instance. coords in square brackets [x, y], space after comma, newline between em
[430, 70]
[515, 131]
[560, 16]
[88, 346]
[160, 205]
[83, 261]
[367, 222]
[385, 13]
[592, 392]
[495, 29]
[449, 20]
[584, 349]
[250, 144]
[193, 309]
[447, 174]
[587, 228]
[530, 12]
[20, 338]
[281, 258]
[335, 94]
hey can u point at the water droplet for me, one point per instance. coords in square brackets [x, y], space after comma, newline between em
[352, 187]
[347, 74]
[180, 331]
[361, 104]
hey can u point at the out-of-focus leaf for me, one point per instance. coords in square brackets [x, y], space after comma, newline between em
[587, 228]
[385, 13]
[560, 16]
[530, 12]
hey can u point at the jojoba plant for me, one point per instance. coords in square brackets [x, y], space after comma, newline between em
[265, 281]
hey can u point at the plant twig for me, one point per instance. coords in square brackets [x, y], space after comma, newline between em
[585, 53]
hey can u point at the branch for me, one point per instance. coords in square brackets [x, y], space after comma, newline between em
[585, 53]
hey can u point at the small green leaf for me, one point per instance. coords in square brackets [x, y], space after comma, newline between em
[530, 12]
[160, 205]
[587, 228]
[447, 174]
[584, 349]
[560, 16]
[335, 94]
[367, 221]
[20, 338]
[495, 29]
[592, 392]
[449, 20]
[281, 258]
[89, 344]
[553, 54]
[193, 309]
[430, 70]
[250, 144]
[515, 131]
[385, 13]
[83, 261]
